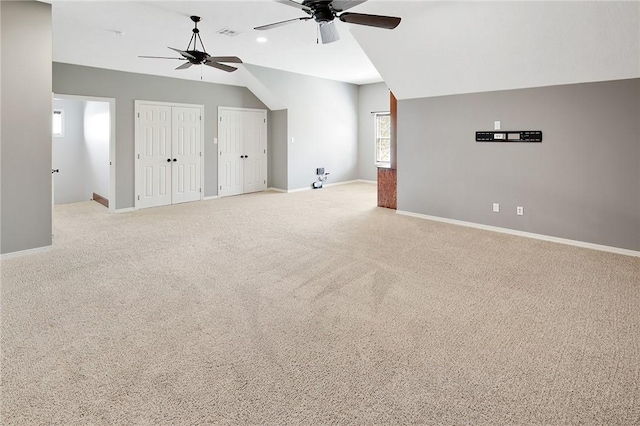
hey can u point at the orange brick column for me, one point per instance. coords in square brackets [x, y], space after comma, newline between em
[388, 176]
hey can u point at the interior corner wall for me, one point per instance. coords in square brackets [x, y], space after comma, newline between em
[278, 150]
[25, 176]
[581, 183]
[127, 87]
[322, 117]
[372, 98]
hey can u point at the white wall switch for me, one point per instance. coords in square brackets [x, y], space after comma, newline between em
[496, 207]
[215, 141]
[496, 125]
[293, 140]
[520, 211]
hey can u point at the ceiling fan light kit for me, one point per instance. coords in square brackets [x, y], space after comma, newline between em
[325, 11]
[328, 32]
[193, 56]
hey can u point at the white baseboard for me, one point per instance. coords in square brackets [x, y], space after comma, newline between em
[328, 185]
[211, 197]
[125, 210]
[346, 182]
[299, 190]
[25, 252]
[575, 243]
[277, 190]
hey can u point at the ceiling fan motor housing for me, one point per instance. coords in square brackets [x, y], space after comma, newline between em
[324, 14]
[320, 10]
[198, 57]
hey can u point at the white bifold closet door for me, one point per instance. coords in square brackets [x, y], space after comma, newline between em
[242, 146]
[169, 143]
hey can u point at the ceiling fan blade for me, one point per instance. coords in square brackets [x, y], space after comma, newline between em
[278, 24]
[342, 5]
[328, 32]
[222, 67]
[183, 53]
[295, 4]
[161, 57]
[184, 66]
[388, 22]
[231, 59]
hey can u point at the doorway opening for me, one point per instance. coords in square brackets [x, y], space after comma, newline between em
[83, 150]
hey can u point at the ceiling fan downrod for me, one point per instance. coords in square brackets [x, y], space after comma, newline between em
[196, 35]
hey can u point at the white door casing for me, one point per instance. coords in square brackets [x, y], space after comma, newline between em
[154, 144]
[111, 196]
[242, 151]
[185, 173]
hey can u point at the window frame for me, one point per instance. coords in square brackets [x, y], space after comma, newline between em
[60, 112]
[376, 139]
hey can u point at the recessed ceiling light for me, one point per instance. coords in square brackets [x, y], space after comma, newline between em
[261, 40]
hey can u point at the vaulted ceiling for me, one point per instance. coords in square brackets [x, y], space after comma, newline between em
[88, 33]
[441, 47]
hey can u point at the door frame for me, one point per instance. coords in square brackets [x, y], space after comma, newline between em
[266, 117]
[112, 140]
[136, 153]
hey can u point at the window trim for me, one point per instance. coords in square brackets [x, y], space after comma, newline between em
[381, 164]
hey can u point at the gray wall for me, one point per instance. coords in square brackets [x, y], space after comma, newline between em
[323, 120]
[372, 98]
[582, 182]
[278, 150]
[126, 88]
[25, 188]
[69, 155]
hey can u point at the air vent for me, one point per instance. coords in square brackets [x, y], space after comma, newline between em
[227, 32]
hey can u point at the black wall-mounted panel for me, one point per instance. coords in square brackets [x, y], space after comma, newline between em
[509, 136]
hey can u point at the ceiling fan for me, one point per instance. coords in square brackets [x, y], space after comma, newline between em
[193, 56]
[325, 11]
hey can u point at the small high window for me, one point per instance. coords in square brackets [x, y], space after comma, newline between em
[383, 138]
[58, 123]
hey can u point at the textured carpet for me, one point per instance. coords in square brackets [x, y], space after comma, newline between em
[313, 308]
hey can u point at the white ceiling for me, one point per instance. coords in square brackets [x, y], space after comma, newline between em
[440, 47]
[449, 47]
[84, 33]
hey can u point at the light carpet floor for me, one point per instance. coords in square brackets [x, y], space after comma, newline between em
[313, 308]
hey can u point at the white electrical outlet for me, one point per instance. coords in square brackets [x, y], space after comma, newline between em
[293, 140]
[496, 207]
[496, 125]
[215, 141]
[520, 211]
